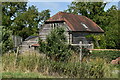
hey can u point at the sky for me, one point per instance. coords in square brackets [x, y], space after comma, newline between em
[55, 7]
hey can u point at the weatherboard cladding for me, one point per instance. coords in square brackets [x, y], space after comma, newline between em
[76, 22]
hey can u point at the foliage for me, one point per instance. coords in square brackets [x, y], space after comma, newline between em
[27, 23]
[56, 47]
[107, 20]
[43, 46]
[10, 10]
[99, 40]
[112, 29]
[108, 55]
[96, 68]
[22, 21]
[6, 40]
[23, 75]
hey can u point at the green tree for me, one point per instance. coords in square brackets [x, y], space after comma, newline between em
[6, 42]
[10, 10]
[27, 23]
[20, 20]
[56, 47]
[112, 29]
[23, 21]
[107, 20]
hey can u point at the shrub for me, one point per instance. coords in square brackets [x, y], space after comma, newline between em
[109, 55]
[55, 47]
[6, 42]
[96, 68]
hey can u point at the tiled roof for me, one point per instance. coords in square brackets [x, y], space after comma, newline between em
[76, 22]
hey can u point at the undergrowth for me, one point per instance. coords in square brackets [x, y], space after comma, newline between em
[95, 68]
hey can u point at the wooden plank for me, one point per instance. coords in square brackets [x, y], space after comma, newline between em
[30, 41]
[81, 44]
[105, 49]
[80, 51]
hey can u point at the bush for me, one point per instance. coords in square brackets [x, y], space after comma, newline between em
[6, 42]
[109, 55]
[96, 68]
[55, 47]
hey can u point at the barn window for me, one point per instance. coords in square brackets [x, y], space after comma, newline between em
[84, 25]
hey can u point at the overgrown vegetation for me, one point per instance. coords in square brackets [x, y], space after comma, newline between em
[6, 42]
[58, 57]
[55, 46]
[31, 62]
[22, 21]
[23, 75]
[108, 55]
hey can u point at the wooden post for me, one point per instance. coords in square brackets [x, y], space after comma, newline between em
[92, 45]
[15, 41]
[70, 38]
[80, 45]
[80, 51]
[17, 53]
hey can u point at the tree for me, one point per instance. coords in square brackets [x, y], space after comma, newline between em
[20, 20]
[92, 10]
[55, 47]
[27, 23]
[23, 21]
[44, 15]
[10, 10]
[107, 20]
[112, 29]
[6, 42]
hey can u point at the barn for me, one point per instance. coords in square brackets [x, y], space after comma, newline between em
[30, 44]
[76, 27]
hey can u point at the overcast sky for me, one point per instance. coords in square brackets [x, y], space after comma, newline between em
[55, 7]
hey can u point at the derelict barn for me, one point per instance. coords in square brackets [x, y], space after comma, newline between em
[77, 27]
[30, 44]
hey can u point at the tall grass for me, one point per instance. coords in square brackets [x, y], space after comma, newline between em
[95, 68]
[108, 55]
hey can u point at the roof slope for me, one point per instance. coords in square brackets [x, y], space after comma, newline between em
[30, 37]
[76, 22]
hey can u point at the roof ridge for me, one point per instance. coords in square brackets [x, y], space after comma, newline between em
[74, 21]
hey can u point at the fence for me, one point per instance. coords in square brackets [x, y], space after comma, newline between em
[104, 49]
[87, 46]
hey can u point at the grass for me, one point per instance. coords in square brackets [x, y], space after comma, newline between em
[23, 75]
[109, 55]
[35, 66]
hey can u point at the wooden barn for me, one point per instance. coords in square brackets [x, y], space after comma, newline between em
[77, 27]
[30, 44]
